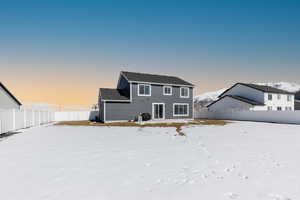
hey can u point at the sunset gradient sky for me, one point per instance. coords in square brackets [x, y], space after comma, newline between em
[62, 52]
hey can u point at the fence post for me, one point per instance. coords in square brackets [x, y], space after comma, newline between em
[39, 117]
[24, 113]
[14, 119]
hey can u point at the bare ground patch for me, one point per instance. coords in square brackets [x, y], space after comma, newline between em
[177, 125]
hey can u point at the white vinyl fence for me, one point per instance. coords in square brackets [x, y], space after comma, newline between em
[75, 115]
[288, 117]
[14, 119]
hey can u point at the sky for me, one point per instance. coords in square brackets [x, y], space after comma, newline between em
[62, 52]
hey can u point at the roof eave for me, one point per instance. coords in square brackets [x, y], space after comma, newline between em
[155, 83]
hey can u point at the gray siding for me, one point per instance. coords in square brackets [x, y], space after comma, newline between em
[124, 86]
[101, 111]
[142, 104]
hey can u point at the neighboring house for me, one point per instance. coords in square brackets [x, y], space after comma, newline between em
[244, 96]
[7, 99]
[297, 100]
[164, 97]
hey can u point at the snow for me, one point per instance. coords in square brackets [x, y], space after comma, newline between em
[290, 87]
[206, 98]
[242, 160]
[209, 95]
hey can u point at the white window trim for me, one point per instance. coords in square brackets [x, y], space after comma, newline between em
[270, 95]
[164, 107]
[168, 87]
[188, 93]
[144, 95]
[181, 115]
[278, 96]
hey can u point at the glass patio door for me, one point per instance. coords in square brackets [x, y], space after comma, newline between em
[158, 111]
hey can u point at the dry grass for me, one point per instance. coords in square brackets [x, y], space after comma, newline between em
[177, 125]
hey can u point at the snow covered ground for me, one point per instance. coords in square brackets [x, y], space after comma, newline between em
[241, 160]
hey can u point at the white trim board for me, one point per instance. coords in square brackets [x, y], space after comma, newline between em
[188, 93]
[167, 86]
[181, 115]
[144, 95]
[106, 100]
[154, 83]
[164, 111]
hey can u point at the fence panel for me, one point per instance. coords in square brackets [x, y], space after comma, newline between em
[72, 116]
[7, 123]
[288, 117]
[19, 119]
[13, 119]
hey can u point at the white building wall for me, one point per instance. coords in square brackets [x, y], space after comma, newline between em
[279, 102]
[6, 102]
[246, 92]
[228, 103]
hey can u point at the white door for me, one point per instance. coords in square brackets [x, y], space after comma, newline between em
[158, 111]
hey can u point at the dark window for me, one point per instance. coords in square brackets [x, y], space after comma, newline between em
[184, 92]
[144, 90]
[270, 97]
[181, 110]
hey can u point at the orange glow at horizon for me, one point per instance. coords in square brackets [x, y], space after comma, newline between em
[79, 87]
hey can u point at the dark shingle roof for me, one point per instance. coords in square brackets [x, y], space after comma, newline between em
[239, 98]
[113, 94]
[10, 94]
[262, 88]
[153, 78]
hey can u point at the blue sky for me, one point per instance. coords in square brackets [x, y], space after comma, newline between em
[211, 43]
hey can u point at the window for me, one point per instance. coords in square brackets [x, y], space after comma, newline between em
[278, 96]
[270, 97]
[289, 97]
[180, 109]
[184, 92]
[269, 107]
[144, 90]
[279, 108]
[167, 90]
[288, 108]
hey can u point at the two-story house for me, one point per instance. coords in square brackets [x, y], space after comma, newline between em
[246, 96]
[163, 97]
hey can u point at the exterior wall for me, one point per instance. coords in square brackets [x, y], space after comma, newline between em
[124, 86]
[143, 104]
[101, 111]
[282, 102]
[6, 102]
[246, 92]
[228, 103]
[297, 104]
[259, 108]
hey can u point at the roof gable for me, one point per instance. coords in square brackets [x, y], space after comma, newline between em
[155, 79]
[239, 98]
[10, 94]
[262, 88]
